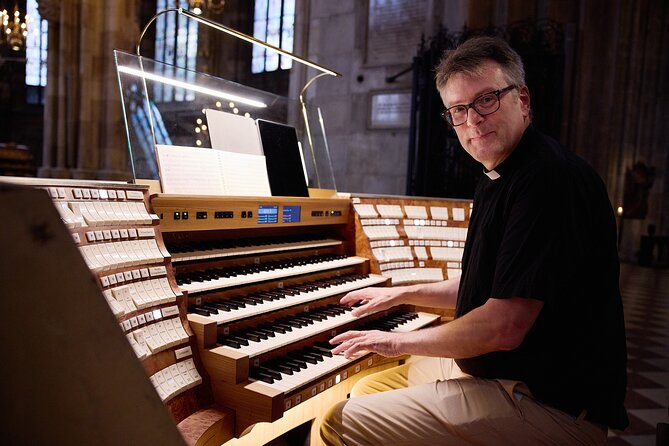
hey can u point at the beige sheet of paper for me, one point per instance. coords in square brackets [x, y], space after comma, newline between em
[233, 133]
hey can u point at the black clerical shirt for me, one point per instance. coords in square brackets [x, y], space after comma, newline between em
[542, 227]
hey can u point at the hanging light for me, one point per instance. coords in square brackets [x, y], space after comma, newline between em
[196, 6]
[199, 7]
[14, 31]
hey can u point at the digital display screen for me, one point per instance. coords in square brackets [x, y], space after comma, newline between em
[291, 214]
[268, 214]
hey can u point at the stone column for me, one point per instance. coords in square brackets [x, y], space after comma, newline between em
[83, 125]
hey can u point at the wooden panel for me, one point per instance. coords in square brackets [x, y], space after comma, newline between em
[68, 367]
[314, 211]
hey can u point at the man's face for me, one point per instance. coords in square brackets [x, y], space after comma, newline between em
[488, 139]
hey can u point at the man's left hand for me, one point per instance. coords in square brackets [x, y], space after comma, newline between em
[353, 342]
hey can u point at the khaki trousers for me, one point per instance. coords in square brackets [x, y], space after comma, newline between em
[430, 401]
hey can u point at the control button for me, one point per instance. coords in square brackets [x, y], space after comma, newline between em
[184, 215]
[201, 215]
[177, 215]
[243, 214]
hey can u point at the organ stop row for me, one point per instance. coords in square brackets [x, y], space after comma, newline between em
[230, 302]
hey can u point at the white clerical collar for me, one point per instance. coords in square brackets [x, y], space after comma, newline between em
[493, 175]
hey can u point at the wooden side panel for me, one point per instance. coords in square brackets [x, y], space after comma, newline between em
[68, 367]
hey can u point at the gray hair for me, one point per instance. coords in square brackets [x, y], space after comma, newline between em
[468, 57]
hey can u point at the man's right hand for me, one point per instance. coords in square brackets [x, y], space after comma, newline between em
[371, 300]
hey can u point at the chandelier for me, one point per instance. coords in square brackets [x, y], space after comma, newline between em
[211, 6]
[14, 31]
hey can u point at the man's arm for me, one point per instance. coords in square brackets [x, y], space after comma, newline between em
[437, 295]
[500, 324]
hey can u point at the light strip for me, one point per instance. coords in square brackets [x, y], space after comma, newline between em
[187, 86]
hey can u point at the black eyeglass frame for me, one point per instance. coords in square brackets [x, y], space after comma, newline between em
[446, 115]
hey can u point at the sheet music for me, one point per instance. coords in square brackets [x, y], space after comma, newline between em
[198, 171]
[243, 174]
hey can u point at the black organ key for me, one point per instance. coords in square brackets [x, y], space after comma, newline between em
[295, 358]
[249, 336]
[285, 368]
[295, 367]
[323, 351]
[240, 340]
[284, 326]
[271, 372]
[258, 374]
[229, 342]
[212, 308]
[199, 310]
[272, 328]
[222, 306]
[318, 352]
[259, 334]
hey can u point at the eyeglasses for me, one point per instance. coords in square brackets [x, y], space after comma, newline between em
[485, 104]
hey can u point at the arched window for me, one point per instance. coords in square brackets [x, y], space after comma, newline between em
[176, 44]
[36, 46]
[273, 22]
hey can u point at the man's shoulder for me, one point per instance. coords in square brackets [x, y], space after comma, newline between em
[549, 155]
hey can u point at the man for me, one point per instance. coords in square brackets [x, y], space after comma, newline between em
[536, 353]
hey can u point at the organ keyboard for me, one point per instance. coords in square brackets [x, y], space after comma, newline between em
[217, 277]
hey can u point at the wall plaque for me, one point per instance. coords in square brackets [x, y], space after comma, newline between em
[389, 110]
[394, 28]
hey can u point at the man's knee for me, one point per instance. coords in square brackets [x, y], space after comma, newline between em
[365, 386]
[331, 426]
[391, 379]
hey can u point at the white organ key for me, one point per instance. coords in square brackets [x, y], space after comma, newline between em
[289, 337]
[245, 251]
[288, 301]
[224, 282]
[289, 383]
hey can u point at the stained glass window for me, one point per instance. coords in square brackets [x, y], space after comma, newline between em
[274, 23]
[36, 45]
[176, 44]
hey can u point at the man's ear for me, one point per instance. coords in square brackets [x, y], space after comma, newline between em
[524, 97]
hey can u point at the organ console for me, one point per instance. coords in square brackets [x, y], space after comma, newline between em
[229, 302]
[263, 282]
